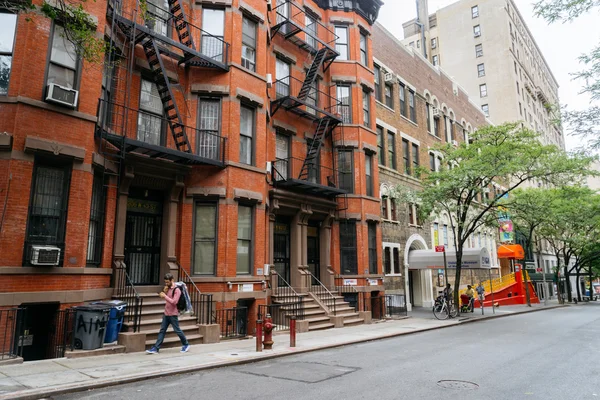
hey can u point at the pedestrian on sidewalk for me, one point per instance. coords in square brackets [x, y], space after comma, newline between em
[171, 294]
[480, 293]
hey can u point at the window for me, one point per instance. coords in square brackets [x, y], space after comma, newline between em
[8, 21]
[477, 30]
[64, 64]
[150, 124]
[406, 156]
[411, 215]
[428, 114]
[434, 43]
[387, 260]
[432, 162]
[244, 240]
[520, 109]
[47, 217]
[372, 228]
[415, 159]
[384, 208]
[393, 210]
[158, 15]
[364, 59]
[311, 29]
[483, 90]
[366, 109]
[445, 235]
[96, 228]
[518, 88]
[396, 260]
[209, 126]
[249, 44]
[377, 83]
[246, 135]
[478, 50]
[436, 60]
[341, 43]
[348, 259]
[486, 109]
[343, 96]
[282, 74]
[213, 25]
[346, 169]
[480, 70]
[313, 163]
[474, 11]
[380, 152]
[389, 100]
[205, 238]
[282, 155]
[436, 234]
[412, 44]
[411, 106]
[515, 67]
[391, 147]
[402, 90]
[369, 173]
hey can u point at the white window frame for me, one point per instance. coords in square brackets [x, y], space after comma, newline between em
[393, 246]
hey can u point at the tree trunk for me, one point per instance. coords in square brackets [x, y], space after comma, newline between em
[591, 283]
[558, 286]
[568, 284]
[459, 254]
[577, 275]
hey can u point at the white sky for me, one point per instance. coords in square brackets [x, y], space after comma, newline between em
[561, 44]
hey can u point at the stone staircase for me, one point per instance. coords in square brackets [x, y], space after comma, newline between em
[152, 312]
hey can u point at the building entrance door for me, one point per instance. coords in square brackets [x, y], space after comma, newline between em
[281, 248]
[313, 254]
[143, 237]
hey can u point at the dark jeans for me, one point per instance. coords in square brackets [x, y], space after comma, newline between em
[172, 320]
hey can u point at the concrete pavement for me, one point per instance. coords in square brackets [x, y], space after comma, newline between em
[39, 379]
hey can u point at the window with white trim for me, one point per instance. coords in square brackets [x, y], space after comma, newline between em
[8, 21]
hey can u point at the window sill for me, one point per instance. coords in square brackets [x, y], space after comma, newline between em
[391, 221]
[409, 121]
[384, 105]
[415, 226]
[246, 167]
[249, 72]
[435, 137]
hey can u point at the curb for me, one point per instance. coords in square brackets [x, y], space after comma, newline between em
[33, 394]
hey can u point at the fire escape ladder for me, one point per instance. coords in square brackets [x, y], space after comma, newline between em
[311, 74]
[165, 91]
[324, 126]
[181, 25]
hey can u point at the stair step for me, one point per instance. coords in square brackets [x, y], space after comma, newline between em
[316, 319]
[354, 321]
[175, 342]
[320, 326]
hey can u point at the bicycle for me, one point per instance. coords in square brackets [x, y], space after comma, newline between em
[441, 309]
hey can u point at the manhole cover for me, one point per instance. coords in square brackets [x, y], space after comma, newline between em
[459, 385]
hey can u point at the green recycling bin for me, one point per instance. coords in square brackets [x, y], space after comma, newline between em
[90, 326]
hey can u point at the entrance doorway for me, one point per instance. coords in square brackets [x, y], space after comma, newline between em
[411, 287]
[143, 236]
[281, 248]
[313, 254]
[38, 329]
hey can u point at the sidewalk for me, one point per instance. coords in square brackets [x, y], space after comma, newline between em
[36, 379]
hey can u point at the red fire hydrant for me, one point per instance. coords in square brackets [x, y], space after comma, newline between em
[268, 330]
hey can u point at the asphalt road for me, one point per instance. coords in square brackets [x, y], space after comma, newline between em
[545, 355]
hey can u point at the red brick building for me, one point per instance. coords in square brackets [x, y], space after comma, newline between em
[228, 146]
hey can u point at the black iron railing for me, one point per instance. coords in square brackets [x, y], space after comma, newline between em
[325, 295]
[317, 103]
[125, 291]
[148, 128]
[61, 337]
[233, 322]
[201, 303]
[281, 312]
[284, 289]
[395, 305]
[11, 333]
[291, 168]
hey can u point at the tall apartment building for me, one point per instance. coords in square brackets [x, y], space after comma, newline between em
[418, 107]
[487, 48]
[223, 142]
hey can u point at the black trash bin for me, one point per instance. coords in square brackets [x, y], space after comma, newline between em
[115, 319]
[90, 326]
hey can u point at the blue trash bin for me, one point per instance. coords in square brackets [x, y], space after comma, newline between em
[115, 318]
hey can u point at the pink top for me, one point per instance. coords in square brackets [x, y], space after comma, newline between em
[172, 297]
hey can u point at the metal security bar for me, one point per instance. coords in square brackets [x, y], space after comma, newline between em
[233, 322]
[125, 290]
[61, 333]
[201, 303]
[281, 312]
[11, 333]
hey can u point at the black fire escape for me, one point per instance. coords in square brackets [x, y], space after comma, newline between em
[117, 121]
[306, 100]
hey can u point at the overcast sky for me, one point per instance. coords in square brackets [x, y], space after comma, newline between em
[561, 44]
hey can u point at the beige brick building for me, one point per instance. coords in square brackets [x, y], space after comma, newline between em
[487, 48]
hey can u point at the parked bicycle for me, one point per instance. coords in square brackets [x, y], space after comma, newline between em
[442, 310]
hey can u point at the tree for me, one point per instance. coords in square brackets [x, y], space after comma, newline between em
[507, 155]
[79, 26]
[585, 123]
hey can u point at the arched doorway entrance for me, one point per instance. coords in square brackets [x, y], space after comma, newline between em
[419, 283]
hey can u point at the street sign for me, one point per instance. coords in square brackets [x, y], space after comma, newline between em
[538, 270]
[440, 249]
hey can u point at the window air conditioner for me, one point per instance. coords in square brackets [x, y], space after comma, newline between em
[435, 112]
[45, 255]
[388, 77]
[454, 142]
[62, 95]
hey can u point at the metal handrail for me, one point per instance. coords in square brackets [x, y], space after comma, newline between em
[125, 290]
[287, 285]
[291, 168]
[201, 303]
[326, 291]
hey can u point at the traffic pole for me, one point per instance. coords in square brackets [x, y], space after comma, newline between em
[293, 331]
[259, 333]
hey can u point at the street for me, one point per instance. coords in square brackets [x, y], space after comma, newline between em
[552, 354]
